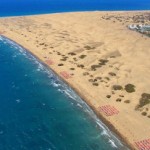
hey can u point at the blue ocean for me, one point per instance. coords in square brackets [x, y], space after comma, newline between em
[28, 7]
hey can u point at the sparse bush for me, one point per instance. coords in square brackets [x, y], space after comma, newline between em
[94, 67]
[72, 68]
[112, 73]
[85, 73]
[118, 100]
[72, 53]
[82, 56]
[89, 47]
[130, 88]
[127, 101]
[144, 100]
[144, 113]
[117, 87]
[108, 96]
[60, 64]
[95, 84]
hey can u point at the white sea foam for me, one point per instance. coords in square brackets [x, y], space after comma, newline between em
[112, 143]
[79, 105]
[1, 39]
[18, 100]
[55, 84]
[104, 132]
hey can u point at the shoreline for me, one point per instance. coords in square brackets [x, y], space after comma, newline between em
[78, 11]
[108, 124]
[52, 36]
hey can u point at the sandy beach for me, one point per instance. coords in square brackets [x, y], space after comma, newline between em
[107, 64]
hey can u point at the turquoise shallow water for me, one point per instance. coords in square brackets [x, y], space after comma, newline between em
[39, 112]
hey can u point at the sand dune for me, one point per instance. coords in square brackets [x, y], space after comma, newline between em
[104, 61]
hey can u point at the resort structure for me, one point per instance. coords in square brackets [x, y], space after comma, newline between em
[145, 29]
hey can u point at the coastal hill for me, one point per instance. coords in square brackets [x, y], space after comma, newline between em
[96, 53]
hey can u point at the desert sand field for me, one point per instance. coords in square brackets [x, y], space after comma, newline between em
[107, 64]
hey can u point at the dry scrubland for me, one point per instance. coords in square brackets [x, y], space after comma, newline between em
[108, 64]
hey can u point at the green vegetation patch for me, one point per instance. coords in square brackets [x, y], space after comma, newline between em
[60, 64]
[112, 74]
[117, 87]
[72, 53]
[144, 100]
[127, 101]
[107, 78]
[63, 59]
[82, 56]
[91, 80]
[118, 100]
[144, 113]
[108, 96]
[130, 88]
[80, 66]
[89, 47]
[85, 73]
[103, 61]
[98, 78]
[72, 68]
[94, 67]
[95, 84]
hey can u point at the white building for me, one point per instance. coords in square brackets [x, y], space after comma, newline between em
[133, 27]
[139, 27]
